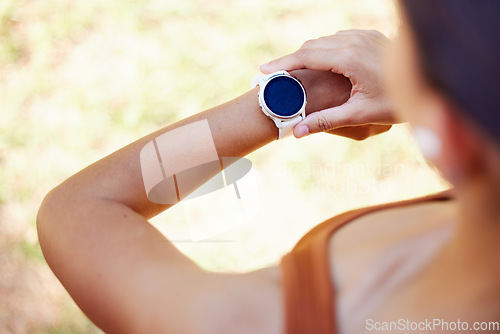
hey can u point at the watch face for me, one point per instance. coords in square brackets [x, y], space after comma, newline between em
[284, 96]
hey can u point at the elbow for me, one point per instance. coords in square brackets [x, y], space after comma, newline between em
[43, 219]
[47, 219]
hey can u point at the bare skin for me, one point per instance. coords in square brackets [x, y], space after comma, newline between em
[128, 278]
[124, 274]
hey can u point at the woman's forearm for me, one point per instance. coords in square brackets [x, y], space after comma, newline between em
[237, 128]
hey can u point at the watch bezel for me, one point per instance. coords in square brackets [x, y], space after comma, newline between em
[266, 107]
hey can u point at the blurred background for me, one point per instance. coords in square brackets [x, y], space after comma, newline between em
[80, 79]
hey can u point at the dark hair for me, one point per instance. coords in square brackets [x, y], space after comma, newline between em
[459, 49]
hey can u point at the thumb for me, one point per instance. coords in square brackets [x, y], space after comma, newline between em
[327, 119]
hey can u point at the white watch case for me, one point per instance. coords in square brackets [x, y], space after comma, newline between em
[285, 124]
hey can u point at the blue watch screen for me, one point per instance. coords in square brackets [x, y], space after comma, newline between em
[284, 96]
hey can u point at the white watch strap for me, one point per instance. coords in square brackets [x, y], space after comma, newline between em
[256, 80]
[260, 78]
[286, 127]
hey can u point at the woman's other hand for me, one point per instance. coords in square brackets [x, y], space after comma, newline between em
[357, 55]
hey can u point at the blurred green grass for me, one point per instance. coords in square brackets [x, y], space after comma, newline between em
[80, 79]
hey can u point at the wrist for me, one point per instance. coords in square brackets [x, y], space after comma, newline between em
[324, 89]
[240, 127]
[258, 121]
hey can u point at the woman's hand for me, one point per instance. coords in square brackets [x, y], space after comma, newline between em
[355, 54]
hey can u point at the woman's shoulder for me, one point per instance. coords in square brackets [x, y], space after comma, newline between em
[378, 251]
[388, 224]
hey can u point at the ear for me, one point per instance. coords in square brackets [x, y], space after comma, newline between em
[462, 150]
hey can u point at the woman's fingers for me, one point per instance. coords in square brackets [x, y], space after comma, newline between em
[356, 112]
[328, 53]
[327, 119]
[323, 54]
[313, 59]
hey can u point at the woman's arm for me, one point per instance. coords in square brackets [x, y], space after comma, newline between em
[123, 273]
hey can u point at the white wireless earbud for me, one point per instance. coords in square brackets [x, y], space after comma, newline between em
[428, 141]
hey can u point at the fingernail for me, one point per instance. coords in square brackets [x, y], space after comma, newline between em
[301, 131]
[263, 66]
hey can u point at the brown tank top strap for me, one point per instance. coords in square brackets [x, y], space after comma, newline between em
[309, 295]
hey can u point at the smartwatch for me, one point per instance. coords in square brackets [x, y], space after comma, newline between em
[282, 99]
